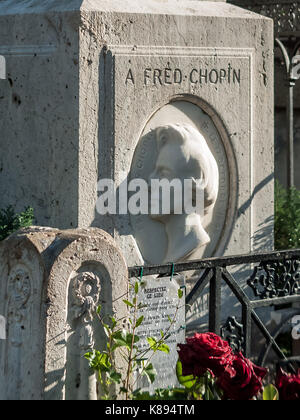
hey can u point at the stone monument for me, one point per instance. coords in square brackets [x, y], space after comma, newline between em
[91, 87]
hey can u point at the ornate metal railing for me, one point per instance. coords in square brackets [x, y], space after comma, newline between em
[274, 281]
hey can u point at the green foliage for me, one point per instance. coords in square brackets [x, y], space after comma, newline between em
[287, 218]
[10, 221]
[162, 395]
[187, 381]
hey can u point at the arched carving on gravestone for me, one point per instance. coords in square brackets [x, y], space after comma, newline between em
[86, 292]
[19, 289]
[84, 295]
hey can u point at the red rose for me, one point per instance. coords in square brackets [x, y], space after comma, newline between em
[205, 352]
[246, 382]
[288, 386]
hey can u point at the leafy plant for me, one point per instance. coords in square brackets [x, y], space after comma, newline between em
[10, 221]
[162, 395]
[287, 218]
[124, 341]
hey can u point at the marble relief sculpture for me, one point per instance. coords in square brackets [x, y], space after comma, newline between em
[183, 154]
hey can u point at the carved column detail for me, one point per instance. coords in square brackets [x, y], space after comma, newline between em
[85, 290]
[19, 291]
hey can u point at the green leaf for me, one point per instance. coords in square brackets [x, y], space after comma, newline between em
[287, 217]
[180, 293]
[164, 348]
[143, 359]
[107, 330]
[270, 393]
[131, 338]
[139, 321]
[141, 396]
[209, 396]
[128, 303]
[114, 322]
[11, 221]
[136, 288]
[115, 377]
[150, 372]
[187, 381]
[120, 339]
[152, 342]
[98, 361]
[99, 309]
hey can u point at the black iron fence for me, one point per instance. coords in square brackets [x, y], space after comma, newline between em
[272, 280]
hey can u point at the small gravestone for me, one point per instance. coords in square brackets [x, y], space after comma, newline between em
[164, 314]
[51, 282]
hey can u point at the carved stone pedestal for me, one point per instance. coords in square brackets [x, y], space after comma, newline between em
[51, 283]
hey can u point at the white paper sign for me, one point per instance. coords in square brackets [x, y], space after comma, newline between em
[162, 305]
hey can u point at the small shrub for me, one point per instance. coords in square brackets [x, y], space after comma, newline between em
[10, 221]
[287, 218]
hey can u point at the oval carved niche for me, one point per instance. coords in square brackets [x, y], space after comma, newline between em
[185, 139]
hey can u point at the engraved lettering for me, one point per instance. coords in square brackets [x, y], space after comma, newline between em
[146, 76]
[203, 76]
[193, 76]
[157, 76]
[222, 75]
[168, 76]
[214, 76]
[178, 76]
[229, 72]
[237, 76]
[130, 77]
